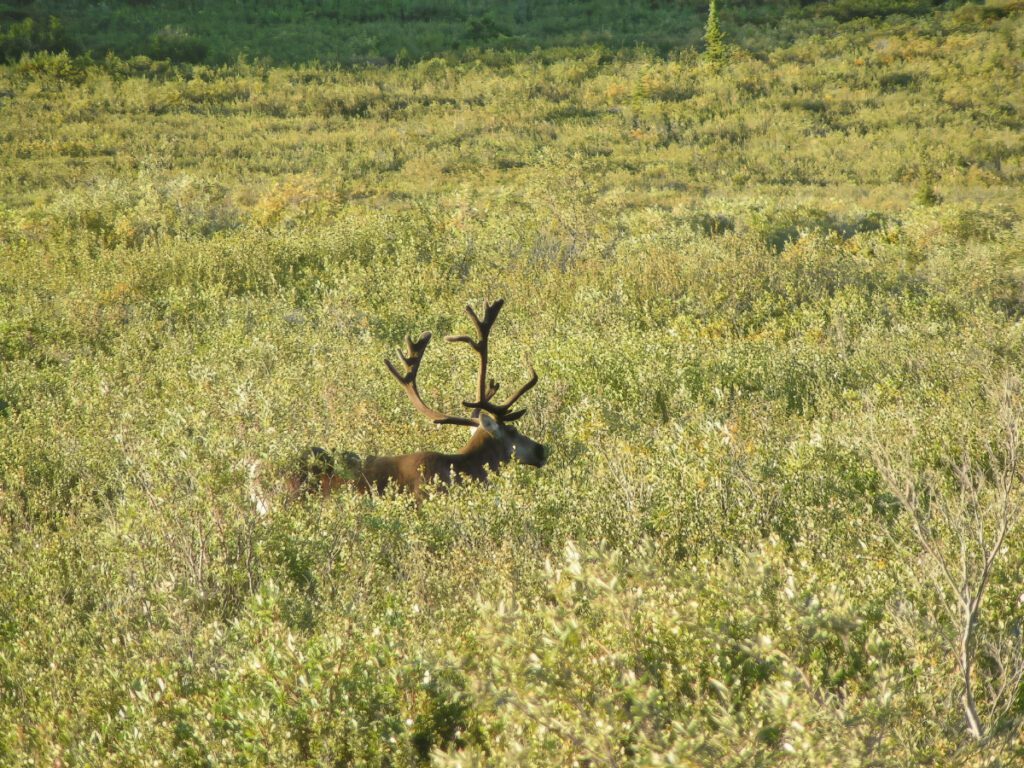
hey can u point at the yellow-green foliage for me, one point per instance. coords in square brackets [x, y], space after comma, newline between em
[732, 300]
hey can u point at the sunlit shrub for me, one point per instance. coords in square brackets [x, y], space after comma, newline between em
[56, 68]
[731, 301]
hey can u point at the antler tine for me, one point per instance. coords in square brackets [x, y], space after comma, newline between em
[502, 412]
[491, 311]
[483, 329]
[523, 389]
[412, 358]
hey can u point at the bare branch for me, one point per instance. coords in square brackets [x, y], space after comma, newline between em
[961, 522]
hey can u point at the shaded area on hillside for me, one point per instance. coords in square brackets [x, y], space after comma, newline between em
[349, 32]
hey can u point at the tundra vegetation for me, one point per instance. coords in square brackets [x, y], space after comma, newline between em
[775, 303]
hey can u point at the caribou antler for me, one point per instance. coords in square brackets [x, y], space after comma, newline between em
[412, 358]
[501, 412]
[486, 389]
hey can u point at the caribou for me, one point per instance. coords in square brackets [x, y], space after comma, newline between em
[494, 441]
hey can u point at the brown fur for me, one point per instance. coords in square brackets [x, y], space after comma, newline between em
[485, 453]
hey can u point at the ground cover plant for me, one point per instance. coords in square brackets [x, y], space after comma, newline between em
[775, 303]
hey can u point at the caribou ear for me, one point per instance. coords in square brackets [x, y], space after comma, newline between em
[490, 426]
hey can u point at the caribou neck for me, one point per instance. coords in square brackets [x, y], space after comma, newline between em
[483, 451]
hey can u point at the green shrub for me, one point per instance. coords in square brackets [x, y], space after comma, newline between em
[733, 305]
[30, 36]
